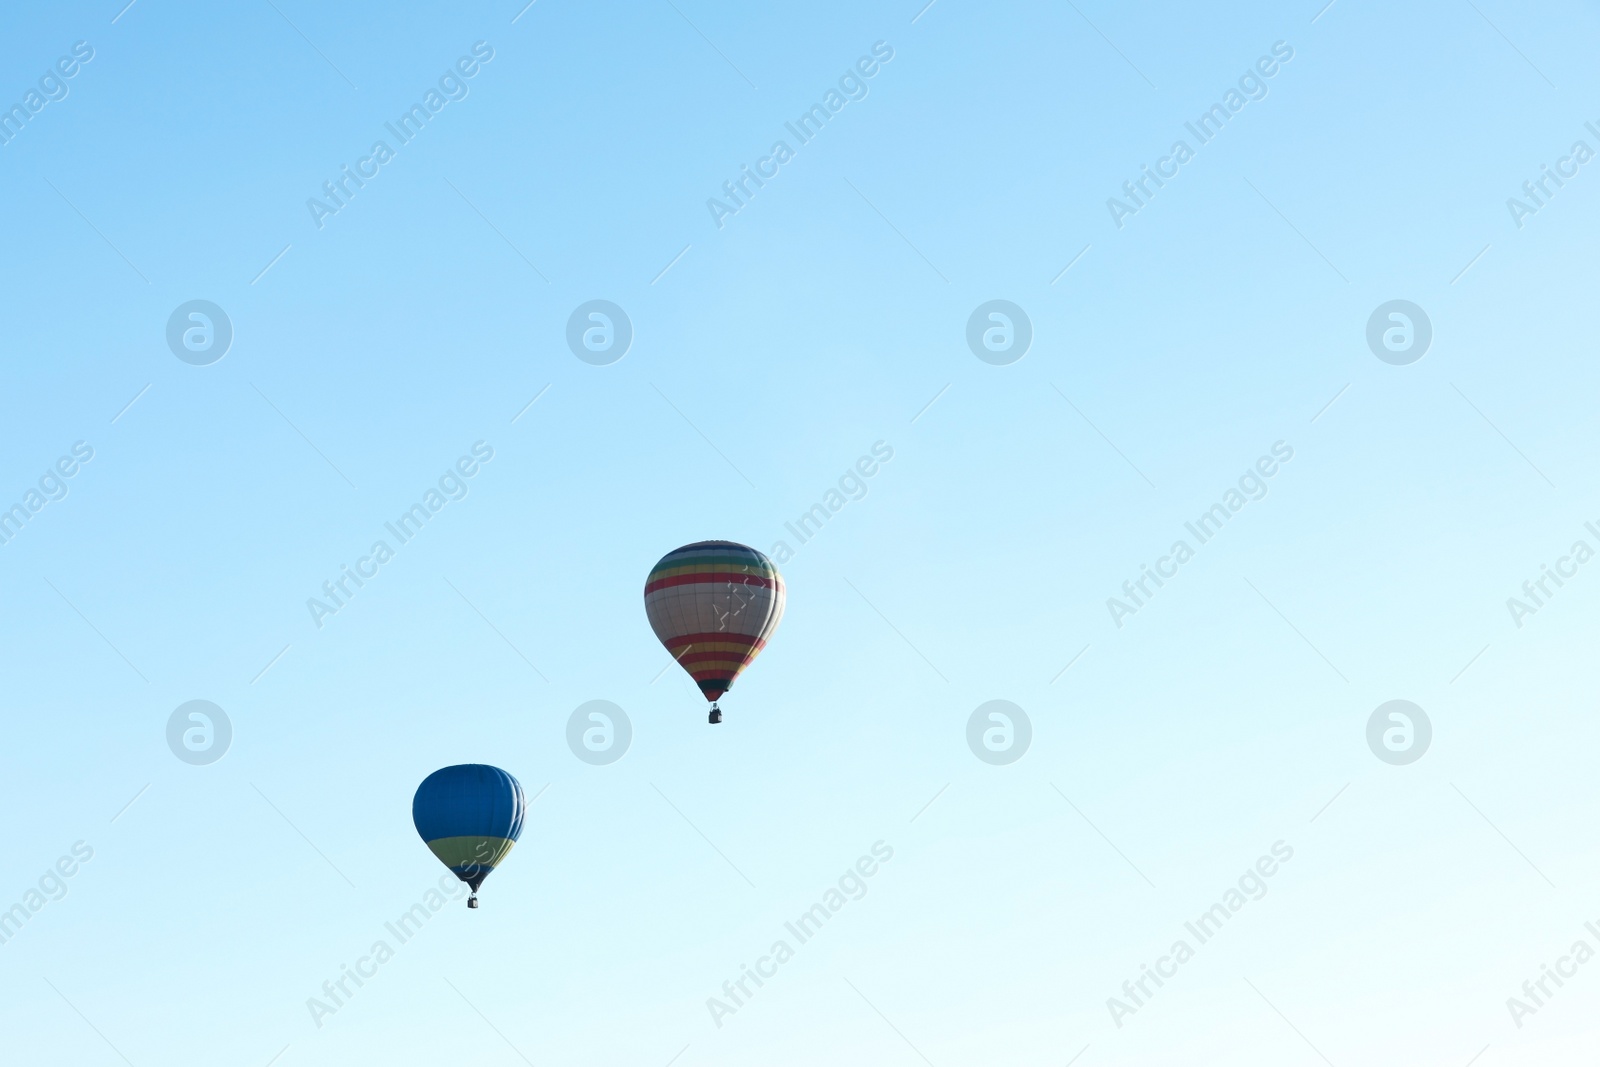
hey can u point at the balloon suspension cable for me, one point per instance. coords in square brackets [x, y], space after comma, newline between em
[716, 713]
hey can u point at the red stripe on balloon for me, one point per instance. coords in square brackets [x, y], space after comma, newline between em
[727, 638]
[741, 658]
[712, 577]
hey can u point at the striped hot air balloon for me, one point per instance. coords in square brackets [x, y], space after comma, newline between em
[469, 816]
[714, 604]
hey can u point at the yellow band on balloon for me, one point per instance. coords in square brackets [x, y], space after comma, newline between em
[459, 852]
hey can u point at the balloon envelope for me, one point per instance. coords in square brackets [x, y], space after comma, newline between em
[469, 815]
[714, 604]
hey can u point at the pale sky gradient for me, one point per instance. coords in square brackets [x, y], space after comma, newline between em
[429, 315]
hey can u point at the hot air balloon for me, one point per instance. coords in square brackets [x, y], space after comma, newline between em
[714, 604]
[469, 816]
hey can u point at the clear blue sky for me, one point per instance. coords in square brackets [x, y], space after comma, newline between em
[374, 345]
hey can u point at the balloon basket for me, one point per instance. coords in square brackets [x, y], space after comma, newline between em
[472, 901]
[715, 716]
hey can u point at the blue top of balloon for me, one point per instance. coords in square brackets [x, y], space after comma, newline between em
[469, 800]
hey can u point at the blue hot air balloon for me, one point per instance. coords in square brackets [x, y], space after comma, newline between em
[470, 816]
